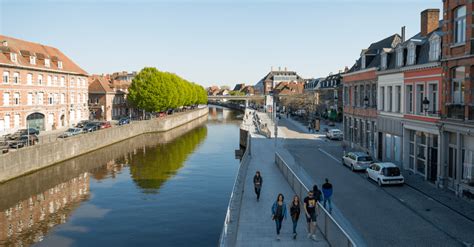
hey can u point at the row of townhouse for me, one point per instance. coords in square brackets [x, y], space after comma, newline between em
[410, 101]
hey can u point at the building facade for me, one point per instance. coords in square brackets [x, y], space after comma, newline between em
[40, 87]
[106, 102]
[360, 97]
[266, 85]
[457, 108]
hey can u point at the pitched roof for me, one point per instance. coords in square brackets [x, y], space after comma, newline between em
[24, 49]
[373, 52]
[100, 84]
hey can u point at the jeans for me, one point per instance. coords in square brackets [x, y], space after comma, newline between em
[295, 223]
[278, 222]
[327, 199]
[257, 191]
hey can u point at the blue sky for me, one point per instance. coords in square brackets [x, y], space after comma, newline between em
[211, 42]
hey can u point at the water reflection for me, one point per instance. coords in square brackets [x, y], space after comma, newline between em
[32, 205]
[225, 115]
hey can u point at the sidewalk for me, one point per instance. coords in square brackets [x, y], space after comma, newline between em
[256, 227]
[447, 198]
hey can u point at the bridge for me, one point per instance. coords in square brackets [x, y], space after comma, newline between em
[245, 98]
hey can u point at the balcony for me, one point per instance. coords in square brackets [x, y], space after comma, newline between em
[455, 112]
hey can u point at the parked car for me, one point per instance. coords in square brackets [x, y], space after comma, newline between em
[19, 133]
[357, 160]
[4, 146]
[71, 132]
[124, 120]
[23, 141]
[92, 126]
[82, 123]
[385, 173]
[104, 125]
[334, 134]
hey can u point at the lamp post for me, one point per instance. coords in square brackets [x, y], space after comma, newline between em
[426, 105]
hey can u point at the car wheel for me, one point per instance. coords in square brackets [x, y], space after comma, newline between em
[379, 182]
[342, 162]
[367, 175]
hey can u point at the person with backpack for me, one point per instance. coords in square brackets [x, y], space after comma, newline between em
[279, 213]
[317, 193]
[327, 192]
[295, 213]
[257, 182]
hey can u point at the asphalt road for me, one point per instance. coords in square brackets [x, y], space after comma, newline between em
[387, 216]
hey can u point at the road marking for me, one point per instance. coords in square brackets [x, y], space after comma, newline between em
[330, 155]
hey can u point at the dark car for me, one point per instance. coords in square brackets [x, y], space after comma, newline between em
[4, 146]
[23, 141]
[92, 126]
[124, 120]
[16, 135]
[82, 123]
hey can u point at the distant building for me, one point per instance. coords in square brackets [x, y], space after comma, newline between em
[239, 87]
[248, 90]
[213, 90]
[106, 102]
[289, 88]
[329, 95]
[40, 87]
[266, 84]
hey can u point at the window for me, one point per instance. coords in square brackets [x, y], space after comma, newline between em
[399, 57]
[409, 100]
[29, 79]
[435, 48]
[356, 94]
[7, 121]
[398, 98]
[40, 98]
[16, 121]
[346, 95]
[71, 83]
[420, 93]
[361, 96]
[60, 64]
[457, 87]
[56, 98]
[16, 77]
[55, 81]
[62, 98]
[411, 54]
[362, 61]
[30, 99]
[16, 98]
[62, 81]
[374, 96]
[460, 25]
[49, 80]
[433, 97]
[71, 99]
[47, 62]
[6, 99]
[384, 60]
[32, 60]
[6, 76]
[40, 79]
[14, 57]
[50, 99]
[389, 98]
[382, 99]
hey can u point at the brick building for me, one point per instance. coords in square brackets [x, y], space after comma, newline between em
[266, 84]
[457, 123]
[360, 96]
[107, 100]
[40, 87]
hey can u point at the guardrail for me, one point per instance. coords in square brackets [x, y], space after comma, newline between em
[332, 231]
[231, 223]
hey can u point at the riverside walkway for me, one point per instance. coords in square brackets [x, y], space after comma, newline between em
[255, 226]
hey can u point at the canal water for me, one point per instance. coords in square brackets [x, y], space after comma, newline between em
[162, 189]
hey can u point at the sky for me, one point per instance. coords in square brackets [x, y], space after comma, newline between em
[211, 42]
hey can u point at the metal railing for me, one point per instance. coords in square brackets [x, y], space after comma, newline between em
[332, 231]
[231, 223]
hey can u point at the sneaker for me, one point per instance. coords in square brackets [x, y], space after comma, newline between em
[313, 237]
[294, 235]
[278, 238]
[309, 235]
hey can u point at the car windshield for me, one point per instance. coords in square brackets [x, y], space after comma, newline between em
[391, 171]
[364, 158]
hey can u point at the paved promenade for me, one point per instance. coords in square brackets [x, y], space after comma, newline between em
[256, 227]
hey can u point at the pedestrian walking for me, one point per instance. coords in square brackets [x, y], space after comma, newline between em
[257, 183]
[295, 213]
[327, 192]
[309, 127]
[317, 193]
[279, 213]
[310, 206]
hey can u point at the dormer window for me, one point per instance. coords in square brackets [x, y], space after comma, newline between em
[362, 61]
[411, 54]
[47, 62]
[60, 64]
[384, 60]
[435, 47]
[13, 57]
[400, 57]
[32, 60]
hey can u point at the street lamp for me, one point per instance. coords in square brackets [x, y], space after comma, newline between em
[426, 105]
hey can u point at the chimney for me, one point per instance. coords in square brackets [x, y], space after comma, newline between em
[5, 43]
[403, 34]
[429, 21]
[346, 69]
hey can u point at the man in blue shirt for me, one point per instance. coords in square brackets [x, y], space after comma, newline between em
[327, 192]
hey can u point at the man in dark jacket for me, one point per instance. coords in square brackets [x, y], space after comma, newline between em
[327, 192]
[257, 182]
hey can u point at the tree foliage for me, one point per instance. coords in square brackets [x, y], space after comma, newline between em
[155, 91]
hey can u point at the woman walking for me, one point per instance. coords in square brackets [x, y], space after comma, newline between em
[257, 182]
[295, 213]
[278, 213]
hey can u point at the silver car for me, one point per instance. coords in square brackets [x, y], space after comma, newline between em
[357, 160]
[71, 132]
